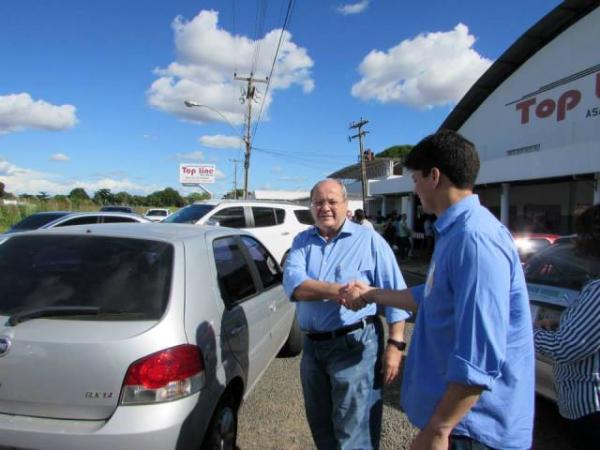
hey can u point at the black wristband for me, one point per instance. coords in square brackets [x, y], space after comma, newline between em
[400, 345]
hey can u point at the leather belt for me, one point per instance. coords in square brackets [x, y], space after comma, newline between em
[325, 335]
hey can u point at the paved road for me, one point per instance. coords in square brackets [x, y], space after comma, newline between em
[273, 416]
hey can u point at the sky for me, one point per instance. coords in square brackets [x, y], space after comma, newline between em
[91, 93]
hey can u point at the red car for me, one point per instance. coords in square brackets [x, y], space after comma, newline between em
[530, 243]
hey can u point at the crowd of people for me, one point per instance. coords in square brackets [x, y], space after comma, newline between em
[469, 377]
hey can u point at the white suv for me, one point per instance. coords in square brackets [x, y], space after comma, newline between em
[275, 224]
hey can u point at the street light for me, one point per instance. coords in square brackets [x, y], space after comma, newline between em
[245, 140]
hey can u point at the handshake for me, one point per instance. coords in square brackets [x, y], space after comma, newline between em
[352, 294]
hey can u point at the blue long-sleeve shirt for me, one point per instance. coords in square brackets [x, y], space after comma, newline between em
[356, 253]
[473, 328]
[575, 349]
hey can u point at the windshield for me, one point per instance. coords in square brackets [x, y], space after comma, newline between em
[156, 212]
[189, 214]
[36, 221]
[560, 266]
[120, 276]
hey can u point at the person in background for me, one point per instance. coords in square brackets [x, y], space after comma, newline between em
[469, 375]
[573, 343]
[349, 215]
[403, 233]
[360, 218]
[341, 366]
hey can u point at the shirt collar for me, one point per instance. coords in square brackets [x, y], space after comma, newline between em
[452, 214]
[348, 228]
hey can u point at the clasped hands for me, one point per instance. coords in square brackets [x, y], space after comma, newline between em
[351, 295]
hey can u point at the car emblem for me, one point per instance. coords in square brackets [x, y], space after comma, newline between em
[5, 344]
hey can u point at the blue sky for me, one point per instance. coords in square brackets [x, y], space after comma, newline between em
[91, 93]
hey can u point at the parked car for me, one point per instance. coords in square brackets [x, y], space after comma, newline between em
[156, 214]
[554, 277]
[275, 224]
[530, 243]
[117, 208]
[53, 219]
[145, 337]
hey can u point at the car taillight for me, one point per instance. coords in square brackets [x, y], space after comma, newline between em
[164, 376]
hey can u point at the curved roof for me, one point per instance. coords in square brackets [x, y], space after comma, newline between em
[540, 34]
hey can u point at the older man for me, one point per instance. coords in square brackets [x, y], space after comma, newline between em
[341, 363]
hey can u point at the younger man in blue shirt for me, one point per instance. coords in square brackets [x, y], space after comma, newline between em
[469, 376]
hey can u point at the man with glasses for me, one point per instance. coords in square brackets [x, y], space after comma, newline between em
[343, 352]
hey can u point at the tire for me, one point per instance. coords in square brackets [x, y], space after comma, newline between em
[293, 345]
[222, 430]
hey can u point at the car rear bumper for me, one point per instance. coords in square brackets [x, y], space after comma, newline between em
[161, 426]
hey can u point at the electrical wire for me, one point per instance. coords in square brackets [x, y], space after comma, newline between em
[285, 25]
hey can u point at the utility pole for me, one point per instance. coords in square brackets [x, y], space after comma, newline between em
[235, 163]
[363, 169]
[248, 97]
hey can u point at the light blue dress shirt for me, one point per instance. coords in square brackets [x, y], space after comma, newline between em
[356, 253]
[473, 328]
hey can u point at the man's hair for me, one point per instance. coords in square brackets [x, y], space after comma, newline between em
[587, 227]
[451, 153]
[335, 180]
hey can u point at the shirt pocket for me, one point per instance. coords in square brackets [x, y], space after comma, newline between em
[344, 275]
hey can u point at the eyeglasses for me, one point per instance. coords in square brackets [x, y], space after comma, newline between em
[322, 203]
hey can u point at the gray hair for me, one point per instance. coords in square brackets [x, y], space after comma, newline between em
[326, 180]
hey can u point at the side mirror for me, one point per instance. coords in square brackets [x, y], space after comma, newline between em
[214, 223]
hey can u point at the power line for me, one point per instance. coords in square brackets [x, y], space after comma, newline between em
[285, 25]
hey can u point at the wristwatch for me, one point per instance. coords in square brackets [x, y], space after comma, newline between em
[400, 345]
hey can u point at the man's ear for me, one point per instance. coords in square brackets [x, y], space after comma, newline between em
[436, 176]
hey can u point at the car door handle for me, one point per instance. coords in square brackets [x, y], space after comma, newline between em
[285, 233]
[273, 307]
[237, 330]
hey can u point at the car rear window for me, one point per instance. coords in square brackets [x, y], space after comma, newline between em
[560, 266]
[189, 214]
[125, 278]
[36, 221]
[304, 216]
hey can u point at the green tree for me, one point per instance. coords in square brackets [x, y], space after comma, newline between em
[123, 198]
[103, 197]
[166, 197]
[395, 151]
[196, 197]
[2, 186]
[43, 196]
[78, 195]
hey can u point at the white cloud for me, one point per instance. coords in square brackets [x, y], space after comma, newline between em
[20, 180]
[60, 157]
[208, 56]
[353, 8]
[20, 111]
[190, 156]
[430, 70]
[221, 141]
[276, 169]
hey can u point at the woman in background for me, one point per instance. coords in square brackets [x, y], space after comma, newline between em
[573, 344]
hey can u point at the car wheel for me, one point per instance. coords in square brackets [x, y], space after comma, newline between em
[222, 430]
[293, 345]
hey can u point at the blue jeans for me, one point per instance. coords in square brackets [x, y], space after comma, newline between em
[342, 384]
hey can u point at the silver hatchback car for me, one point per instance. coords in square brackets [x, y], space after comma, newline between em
[145, 337]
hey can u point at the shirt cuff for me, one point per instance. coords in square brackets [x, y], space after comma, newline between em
[291, 281]
[461, 371]
[418, 293]
[393, 315]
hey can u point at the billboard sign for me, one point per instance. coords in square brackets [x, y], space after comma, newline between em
[193, 174]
